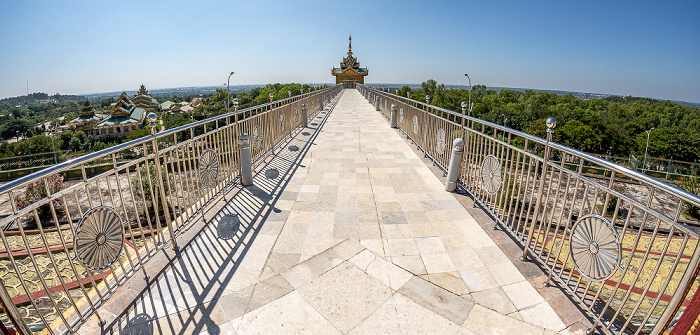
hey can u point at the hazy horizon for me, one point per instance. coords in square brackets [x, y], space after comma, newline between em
[644, 49]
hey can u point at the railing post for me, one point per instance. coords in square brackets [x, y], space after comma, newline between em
[246, 161]
[551, 124]
[455, 161]
[161, 182]
[376, 105]
[13, 313]
[393, 116]
[304, 116]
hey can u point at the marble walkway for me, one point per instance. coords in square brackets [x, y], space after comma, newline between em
[345, 231]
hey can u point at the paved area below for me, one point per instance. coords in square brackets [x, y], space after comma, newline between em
[346, 231]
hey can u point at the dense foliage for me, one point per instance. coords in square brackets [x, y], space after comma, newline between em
[614, 125]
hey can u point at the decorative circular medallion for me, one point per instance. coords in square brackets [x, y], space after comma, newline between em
[440, 141]
[282, 122]
[296, 114]
[256, 137]
[595, 248]
[491, 174]
[99, 238]
[415, 124]
[401, 115]
[208, 167]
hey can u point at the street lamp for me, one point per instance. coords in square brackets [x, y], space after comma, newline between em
[647, 148]
[228, 94]
[53, 145]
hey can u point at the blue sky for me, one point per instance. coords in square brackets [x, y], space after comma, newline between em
[638, 48]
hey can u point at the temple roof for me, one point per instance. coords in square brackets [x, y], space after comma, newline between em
[350, 65]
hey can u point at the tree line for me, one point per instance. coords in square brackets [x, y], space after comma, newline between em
[613, 125]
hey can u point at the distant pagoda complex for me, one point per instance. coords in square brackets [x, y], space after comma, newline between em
[122, 117]
[88, 119]
[145, 100]
[350, 71]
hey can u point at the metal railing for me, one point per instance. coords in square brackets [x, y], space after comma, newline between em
[612, 242]
[70, 248]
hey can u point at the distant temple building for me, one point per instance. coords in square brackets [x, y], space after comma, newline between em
[145, 100]
[88, 119]
[120, 119]
[350, 71]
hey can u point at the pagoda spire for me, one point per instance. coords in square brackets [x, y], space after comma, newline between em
[349, 45]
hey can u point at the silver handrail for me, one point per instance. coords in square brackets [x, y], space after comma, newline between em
[641, 258]
[138, 207]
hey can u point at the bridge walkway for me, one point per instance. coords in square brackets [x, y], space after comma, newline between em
[346, 230]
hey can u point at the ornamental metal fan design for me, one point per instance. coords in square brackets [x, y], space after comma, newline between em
[296, 114]
[282, 122]
[595, 248]
[401, 115]
[256, 138]
[491, 177]
[208, 168]
[415, 124]
[99, 238]
[440, 141]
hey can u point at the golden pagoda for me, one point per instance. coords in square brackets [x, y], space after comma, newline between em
[87, 120]
[145, 100]
[350, 71]
[122, 118]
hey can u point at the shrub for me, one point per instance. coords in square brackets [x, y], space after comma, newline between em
[36, 191]
[691, 184]
[143, 176]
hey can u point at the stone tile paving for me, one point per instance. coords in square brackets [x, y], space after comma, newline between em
[355, 235]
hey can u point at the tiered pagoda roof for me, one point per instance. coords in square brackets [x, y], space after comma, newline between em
[124, 111]
[350, 65]
[145, 100]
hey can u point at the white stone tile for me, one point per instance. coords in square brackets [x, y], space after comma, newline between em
[542, 315]
[482, 320]
[389, 274]
[429, 245]
[290, 314]
[437, 263]
[402, 247]
[505, 273]
[478, 279]
[400, 315]
[522, 294]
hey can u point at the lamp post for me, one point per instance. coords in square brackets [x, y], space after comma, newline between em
[235, 104]
[53, 145]
[647, 147]
[271, 96]
[289, 93]
[427, 99]
[408, 94]
[228, 94]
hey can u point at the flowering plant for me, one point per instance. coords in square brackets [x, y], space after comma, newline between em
[36, 191]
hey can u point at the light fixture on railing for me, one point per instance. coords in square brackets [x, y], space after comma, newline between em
[271, 96]
[152, 117]
[408, 94]
[235, 104]
[552, 123]
[290, 93]
[427, 99]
